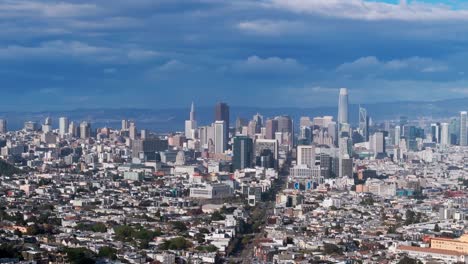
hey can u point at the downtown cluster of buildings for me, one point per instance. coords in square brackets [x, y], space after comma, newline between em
[259, 190]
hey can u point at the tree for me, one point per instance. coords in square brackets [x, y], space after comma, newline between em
[436, 228]
[217, 216]
[107, 252]
[80, 256]
[179, 226]
[332, 249]
[407, 260]
[178, 243]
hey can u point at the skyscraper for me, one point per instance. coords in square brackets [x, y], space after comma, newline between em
[220, 142]
[191, 124]
[364, 123]
[222, 114]
[444, 134]
[271, 126]
[85, 130]
[73, 130]
[3, 126]
[397, 135]
[124, 124]
[243, 152]
[463, 135]
[343, 106]
[306, 155]
[377, 143]
[435, 132]
[47, 126]
[132, 131]
[63, 126]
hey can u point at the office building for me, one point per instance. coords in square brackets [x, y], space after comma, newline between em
[85, 130]
[435, 132]
[444, 134]
[271, 126]
[377, 143]
[240, 123]
[259, 122]
[397, 135]
[3, 126]
[132, 131]
[363, 123]
[147, 148]
[463, 135]
[124, 125]
[306, 155]
[191, 124]
[242, 152]
[266, 152]
[31, 126]
[63, 126]
[343, 106]
[220, 142]
[222, 114]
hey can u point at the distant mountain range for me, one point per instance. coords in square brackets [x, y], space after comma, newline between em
[164, 120]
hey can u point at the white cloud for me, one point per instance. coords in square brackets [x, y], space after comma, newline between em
[370, 10]
[255, 64]
[139, 54]
[373, 65]
[173, 66]
[75, 49]
[271, 27]
[17, 8]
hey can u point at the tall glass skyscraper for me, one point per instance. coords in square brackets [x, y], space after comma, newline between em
[343, 106]
[364, 123]
[463, 135]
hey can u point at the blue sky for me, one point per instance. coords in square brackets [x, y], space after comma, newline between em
[158, 54]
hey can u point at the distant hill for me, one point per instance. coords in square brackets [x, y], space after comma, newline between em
[164, 120]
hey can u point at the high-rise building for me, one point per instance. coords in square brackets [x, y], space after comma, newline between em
[132, 131]
[259, 121]
[63, 126]
[240, 123]
[435, 132]
[306, 155]
[364, 123]
[220, 141]
[31, 126]
[242, 152]
[377, 143]
[73, 130]
[305, 135]
[85, 130]
[251, 128]
[47, 126]
[463, 135]
[284, 124]
[191, 124]
[343, 106]
[3, 126]
[124, 124]
[222, 114]
[147, 148]
[397, 135]
[444, 134]
[266, 152]
[271, 126]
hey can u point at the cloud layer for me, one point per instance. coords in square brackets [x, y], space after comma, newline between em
[143, 53]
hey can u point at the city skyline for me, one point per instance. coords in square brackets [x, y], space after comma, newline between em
[65, 54]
